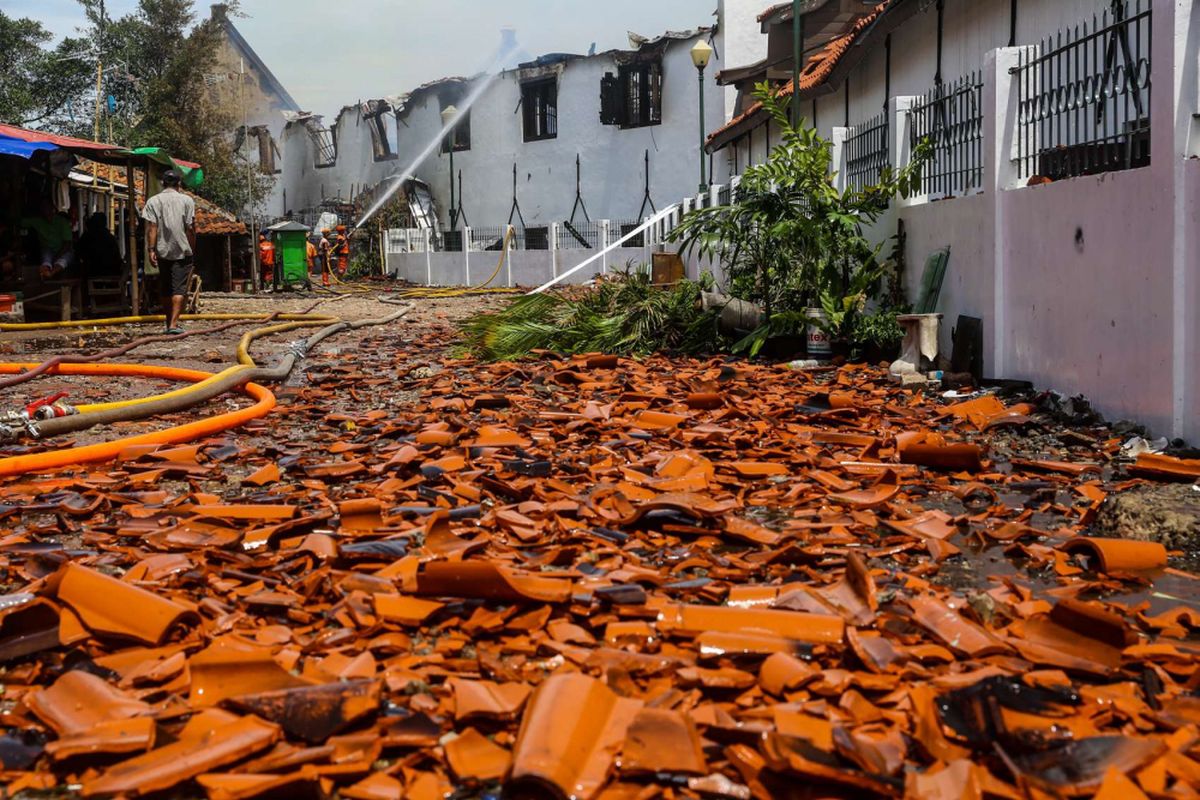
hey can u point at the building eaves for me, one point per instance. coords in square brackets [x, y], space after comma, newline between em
[782, 12]
[820, 68]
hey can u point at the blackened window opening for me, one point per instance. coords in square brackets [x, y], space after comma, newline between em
[642, 88]
[539, 103]
[460, 136]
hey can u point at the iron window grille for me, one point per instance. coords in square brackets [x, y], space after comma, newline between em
[633, 97]
[380, 146]
[325, 141]
[539, 102]
[643, 94]
[867, 152]
[460, 136]
[950, 118]
[1085, 96]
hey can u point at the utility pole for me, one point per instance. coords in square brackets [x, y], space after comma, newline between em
[797, 58]
[254, 265]
[99, 75]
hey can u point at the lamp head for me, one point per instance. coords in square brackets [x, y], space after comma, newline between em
[702, 53]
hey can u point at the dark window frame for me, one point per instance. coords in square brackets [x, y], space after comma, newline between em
[461, 134]
[641, 84]
[539, 109]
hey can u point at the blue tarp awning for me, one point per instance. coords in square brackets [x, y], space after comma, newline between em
[21, 148]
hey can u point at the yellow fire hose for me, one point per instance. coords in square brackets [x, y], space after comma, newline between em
[17, 327]
[245, 362]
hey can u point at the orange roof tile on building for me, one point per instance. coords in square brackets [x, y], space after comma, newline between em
[816, 71]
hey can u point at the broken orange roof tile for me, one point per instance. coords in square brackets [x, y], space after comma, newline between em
[230, 667]
[571, 733]
[111, 607]
[662, 740]
[111, 737]
[487, 699]
[79, 701]
[795, 625]
[404, 610]
[314, 713]
[486, 580]
[175, 763]
[952, 629]
[472, 756]
[932, 450]
[1169, 467]
[1117, 555]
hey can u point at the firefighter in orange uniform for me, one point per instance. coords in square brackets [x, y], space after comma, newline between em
[325, 250]
[266, 259]
[342, 248]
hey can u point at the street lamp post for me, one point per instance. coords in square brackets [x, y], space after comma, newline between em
[449, 115]
[701, 54]
[797, 59]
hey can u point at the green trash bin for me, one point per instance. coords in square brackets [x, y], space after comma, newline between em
[291, 253]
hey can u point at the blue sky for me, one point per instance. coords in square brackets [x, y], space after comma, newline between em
[331, 53]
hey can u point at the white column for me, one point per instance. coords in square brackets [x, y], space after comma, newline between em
[553, 250]
[1000, 173]
[1173, 96]
[714, 195]
[838, 155]
[900, 144]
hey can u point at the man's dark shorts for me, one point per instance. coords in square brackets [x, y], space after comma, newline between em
[174, 276]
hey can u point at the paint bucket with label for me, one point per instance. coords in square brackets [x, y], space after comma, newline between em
[819, 341]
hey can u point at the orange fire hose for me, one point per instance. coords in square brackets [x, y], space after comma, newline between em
[57, 459]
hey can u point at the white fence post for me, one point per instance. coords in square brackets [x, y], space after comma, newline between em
[466, 248]
[553, 249]
[510, 237]
[604, 230]
[428, 237]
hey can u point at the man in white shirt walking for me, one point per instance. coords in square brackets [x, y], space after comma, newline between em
[171, 219]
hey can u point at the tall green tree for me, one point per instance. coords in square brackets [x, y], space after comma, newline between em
[38, 84]
[161, 58]
[158, 61]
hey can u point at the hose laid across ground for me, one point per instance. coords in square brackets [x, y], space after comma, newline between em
[47, 366]
[111, 322]
[57, 459]
[204, 390]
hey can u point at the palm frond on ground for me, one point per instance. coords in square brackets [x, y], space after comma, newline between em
[622, 315]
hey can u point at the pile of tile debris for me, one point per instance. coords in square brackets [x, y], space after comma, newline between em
[597, 578]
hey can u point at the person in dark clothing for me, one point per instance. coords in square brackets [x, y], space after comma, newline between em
[98, 249]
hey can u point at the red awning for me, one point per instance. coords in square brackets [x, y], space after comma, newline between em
[68, 142]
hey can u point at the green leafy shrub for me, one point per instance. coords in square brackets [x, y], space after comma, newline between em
[622, 315]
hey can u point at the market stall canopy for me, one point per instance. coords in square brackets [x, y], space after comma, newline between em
[21, 148]
[49, 140]
[193, 174]
[23, 142]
